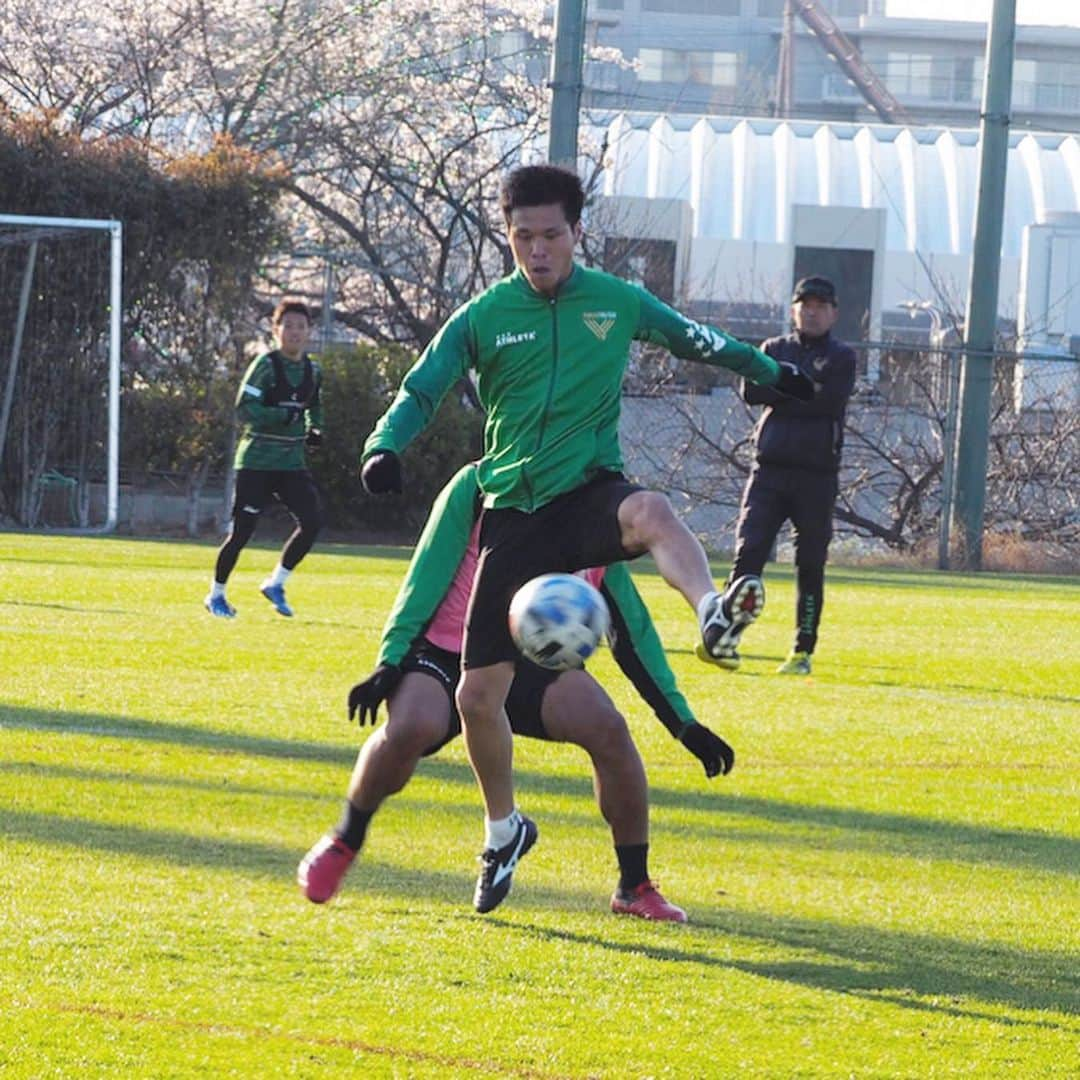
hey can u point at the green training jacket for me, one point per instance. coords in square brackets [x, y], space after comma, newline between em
[272, 437]
[635, 643]
[549, 372]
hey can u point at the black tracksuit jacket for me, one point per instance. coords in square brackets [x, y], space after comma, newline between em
[805, 434]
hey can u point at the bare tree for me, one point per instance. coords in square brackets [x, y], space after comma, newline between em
[393, 119]
[699, 448]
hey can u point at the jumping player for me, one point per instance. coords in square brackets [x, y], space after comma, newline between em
[549, 346]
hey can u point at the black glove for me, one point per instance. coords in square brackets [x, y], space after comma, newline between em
[313, 437]
[715, 754]
[381, 474]
[365, 696]
[794, 383]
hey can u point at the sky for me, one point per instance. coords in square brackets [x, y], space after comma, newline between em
[1041, 12]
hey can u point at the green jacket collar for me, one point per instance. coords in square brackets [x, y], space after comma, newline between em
[569, 286]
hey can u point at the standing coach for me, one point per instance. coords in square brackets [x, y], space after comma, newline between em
[797, 462]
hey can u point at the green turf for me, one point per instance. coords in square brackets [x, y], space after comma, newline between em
[886, 886]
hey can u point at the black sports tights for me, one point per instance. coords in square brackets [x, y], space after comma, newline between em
[301, 498]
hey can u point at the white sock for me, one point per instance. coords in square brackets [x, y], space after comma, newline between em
[216, 588]
[500, 832]
[703, 604]
[280, 575]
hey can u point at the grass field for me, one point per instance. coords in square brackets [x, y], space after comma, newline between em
[886, 886]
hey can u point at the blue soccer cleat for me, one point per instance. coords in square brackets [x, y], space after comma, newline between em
[276, 595]
[219, 606]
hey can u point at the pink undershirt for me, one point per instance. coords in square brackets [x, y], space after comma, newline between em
[447, 627]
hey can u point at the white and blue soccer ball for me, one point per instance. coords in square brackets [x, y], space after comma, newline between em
[557, 621]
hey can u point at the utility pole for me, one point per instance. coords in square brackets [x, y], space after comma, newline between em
[567, 65]
[327, 305]
[785, 66]
[977, 370]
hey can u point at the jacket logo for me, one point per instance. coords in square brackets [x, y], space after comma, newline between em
[508, 338]
[705, 339]
[819, 362]
[600, 322]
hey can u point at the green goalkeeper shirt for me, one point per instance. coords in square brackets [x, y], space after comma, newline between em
[440, 551]
[549, 372]
[272, 437]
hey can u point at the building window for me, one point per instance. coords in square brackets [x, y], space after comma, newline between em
[507, 44]
[692, 7]
[610, 5]
[1057, 86]
[909, 74]
[695, 67]
[839, 9]
[967, 79]
[1024, 84]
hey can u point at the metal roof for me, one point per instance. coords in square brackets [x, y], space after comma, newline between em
[742, 175]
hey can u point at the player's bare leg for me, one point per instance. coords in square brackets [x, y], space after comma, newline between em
[576, 709]
[418, 717]
[648, 523]
[481, 697]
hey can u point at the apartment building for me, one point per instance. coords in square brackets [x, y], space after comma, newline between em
[722, 56]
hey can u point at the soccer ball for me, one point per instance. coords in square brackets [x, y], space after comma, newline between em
[557, 621]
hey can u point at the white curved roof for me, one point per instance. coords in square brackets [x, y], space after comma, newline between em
[741, 176]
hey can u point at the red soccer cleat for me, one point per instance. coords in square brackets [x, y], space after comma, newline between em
[645, 902]
[323, 868]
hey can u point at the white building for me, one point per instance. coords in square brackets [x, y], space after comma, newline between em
[741, 207]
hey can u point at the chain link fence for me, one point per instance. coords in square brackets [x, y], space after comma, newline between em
[687, 431]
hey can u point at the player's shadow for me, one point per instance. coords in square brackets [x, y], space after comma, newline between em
[903, 579]
[71, 775]
[944, 974]
[833, 955]
[925, 972]
[247, 859]
[968, 690]
[163, 731]
[64, 607]
[850, 829]
[833, 828]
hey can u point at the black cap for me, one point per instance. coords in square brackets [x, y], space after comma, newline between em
[821, 288]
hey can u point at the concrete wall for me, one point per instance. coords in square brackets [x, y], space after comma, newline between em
[143, 511]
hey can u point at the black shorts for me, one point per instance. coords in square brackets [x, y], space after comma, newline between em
[523, 703]
[572, 532]
[293, 487]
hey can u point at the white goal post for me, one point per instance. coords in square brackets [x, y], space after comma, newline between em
[115, 231]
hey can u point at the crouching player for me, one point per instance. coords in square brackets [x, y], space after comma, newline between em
[416, 673]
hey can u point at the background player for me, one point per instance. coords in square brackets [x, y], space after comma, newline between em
[280, 410]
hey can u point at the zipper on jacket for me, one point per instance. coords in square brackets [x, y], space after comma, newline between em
[554, 371]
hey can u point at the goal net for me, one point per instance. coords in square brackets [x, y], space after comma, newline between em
[59, 372]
